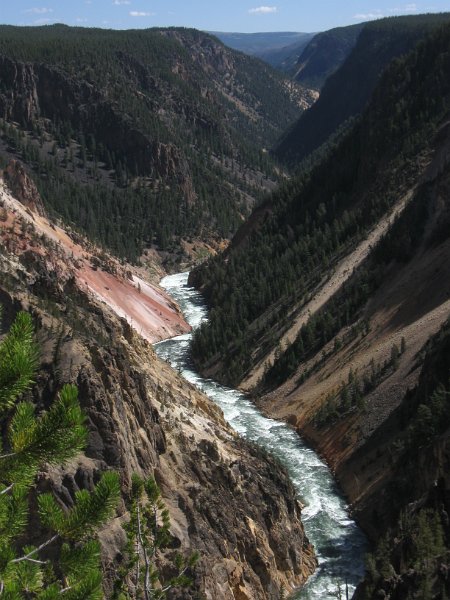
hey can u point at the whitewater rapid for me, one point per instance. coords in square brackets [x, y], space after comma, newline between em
[339, 544]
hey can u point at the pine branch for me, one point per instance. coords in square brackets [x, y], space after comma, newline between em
[56, 436]
[146, 536]
[13, 514]
[79, 559]
[9, 455]
[18, 360]
[36, 561]
[89, 512]
[147, 590]
[36, 550]
[7, 489]
[171, 585]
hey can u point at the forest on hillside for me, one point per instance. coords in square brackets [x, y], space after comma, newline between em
[319, 216]
[162, 129]
[347, 91]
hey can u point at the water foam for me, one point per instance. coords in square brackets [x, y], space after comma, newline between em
[339, 543]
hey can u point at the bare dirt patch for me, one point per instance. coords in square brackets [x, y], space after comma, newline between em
[146, 307]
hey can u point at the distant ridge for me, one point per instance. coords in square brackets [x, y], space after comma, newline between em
[257, 43]
[324, 54]
[347, 91]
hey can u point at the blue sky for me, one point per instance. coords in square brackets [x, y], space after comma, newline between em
[215, 15]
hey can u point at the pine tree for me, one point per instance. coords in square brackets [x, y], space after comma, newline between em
[148, 533]
[52, 437]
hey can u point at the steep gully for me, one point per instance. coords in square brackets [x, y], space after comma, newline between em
[338, 542]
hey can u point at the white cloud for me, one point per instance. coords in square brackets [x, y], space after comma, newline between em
[120, 2]
[408, 8]
[376, 14]
[138, 13]
[80, 20]
[263, 10]
[38, 11]
[396, 10]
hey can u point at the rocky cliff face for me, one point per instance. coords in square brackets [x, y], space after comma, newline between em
[226, 500]
[18, 101]
[38, 91]
[23, 187]
[173, 114]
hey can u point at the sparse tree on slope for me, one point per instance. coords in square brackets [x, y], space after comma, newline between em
[148, 533]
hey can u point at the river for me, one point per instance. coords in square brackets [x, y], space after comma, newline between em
[339, 544]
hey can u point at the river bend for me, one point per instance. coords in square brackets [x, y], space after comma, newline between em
[339, 544]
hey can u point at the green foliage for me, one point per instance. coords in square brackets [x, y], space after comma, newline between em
[351, 395]
[53, 437]
[346, 93]
[79, 558]
[408, 558]
[148, 533]
[431, 418]
[295, 238]
[131, 152]
[89, 512]
[18, 360]
[416, 546]
[424, 415]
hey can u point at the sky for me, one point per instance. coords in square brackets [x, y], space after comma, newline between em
[210, 15]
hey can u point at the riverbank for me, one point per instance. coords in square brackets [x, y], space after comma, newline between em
[339, 543]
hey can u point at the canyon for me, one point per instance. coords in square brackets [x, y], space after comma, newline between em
[316, 225]
[142, 416]
[330, 308]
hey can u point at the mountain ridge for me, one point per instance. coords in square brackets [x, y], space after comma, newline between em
[324, 54]
[347, 91]
[279, 49]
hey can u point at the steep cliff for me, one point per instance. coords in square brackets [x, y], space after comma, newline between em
[226, 500]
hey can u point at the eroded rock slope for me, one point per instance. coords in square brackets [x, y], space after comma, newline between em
[226, 500]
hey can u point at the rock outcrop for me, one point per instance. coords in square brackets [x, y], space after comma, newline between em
[234, 505]
[63, 262]
[23, 187]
